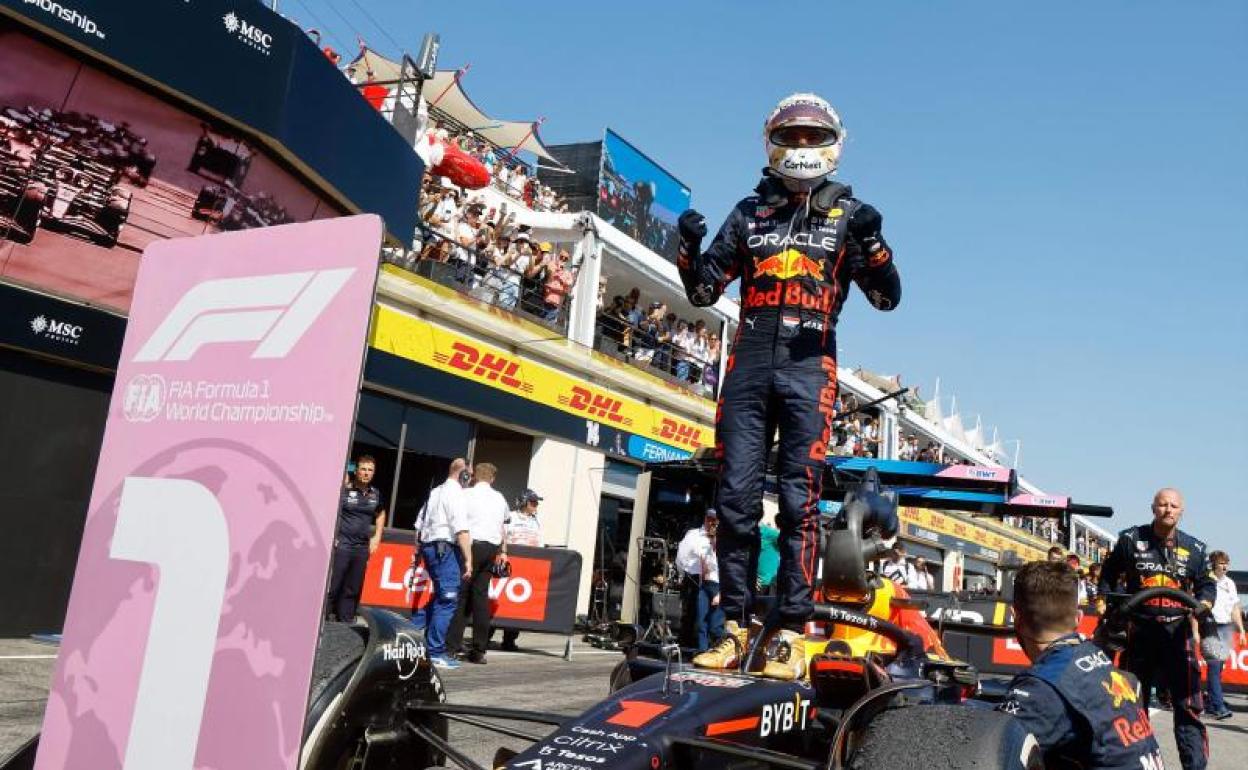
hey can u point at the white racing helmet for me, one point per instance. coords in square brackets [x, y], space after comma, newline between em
[804, 136]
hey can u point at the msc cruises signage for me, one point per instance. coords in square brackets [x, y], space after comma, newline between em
[42, 324]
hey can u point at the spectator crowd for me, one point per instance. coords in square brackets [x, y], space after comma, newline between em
[508, 175]
[480, 249]
[854, 434]
[685, 350]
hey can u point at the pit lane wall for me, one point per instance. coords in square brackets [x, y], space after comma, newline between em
[539, 594]
[1004, 656]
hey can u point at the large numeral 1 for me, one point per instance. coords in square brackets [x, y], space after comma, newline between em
[178, 526]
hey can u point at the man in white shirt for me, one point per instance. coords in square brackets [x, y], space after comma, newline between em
[522, 525]
[523, 528]
[1229, 617]
[920, 579]
[446, 213]
[702, 620]
[895, 567]
[441, 525]
[487, 509]
[466, 239]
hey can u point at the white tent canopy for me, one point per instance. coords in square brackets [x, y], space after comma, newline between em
[445, 92]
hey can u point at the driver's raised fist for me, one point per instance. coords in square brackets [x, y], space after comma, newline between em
[866, 222]
[692, 226]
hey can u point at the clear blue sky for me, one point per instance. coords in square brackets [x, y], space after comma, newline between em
[1065, 185]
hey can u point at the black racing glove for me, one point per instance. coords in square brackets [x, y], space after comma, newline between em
[692, 228]
[866, 227]
[866, 222]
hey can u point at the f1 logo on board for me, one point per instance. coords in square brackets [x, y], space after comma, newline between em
[274, 310]
[597, 405]
[488, 366]
[679, 433]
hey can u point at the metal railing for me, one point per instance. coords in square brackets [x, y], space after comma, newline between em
[477, 275]
[640, 346]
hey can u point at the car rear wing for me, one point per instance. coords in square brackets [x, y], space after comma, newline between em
[973, 489]
[980, 491]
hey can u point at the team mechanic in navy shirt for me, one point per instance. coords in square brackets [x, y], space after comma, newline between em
[361, 517]
[1159, 640]
[1083, 711]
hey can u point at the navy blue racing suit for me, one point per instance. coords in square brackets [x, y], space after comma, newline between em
[357, 519]
[795, 256]
[1084, 712]
[1159, 644]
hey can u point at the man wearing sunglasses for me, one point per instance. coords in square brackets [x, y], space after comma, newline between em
[796, 245]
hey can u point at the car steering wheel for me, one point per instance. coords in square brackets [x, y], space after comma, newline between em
[1111, 632]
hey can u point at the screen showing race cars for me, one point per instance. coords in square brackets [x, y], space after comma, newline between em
[93, 169]
[638, 197]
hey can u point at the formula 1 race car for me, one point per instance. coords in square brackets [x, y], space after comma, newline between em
[220, 158]
[21, 199]
[81, 196]
[882, 692]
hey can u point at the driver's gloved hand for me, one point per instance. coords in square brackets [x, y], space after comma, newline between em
[692, 227]
[866, 228]
[866, 222]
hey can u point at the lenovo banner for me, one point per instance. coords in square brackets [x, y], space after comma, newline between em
[197, 598]
[540, 594]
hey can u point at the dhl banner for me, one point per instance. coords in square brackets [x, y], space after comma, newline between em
[540, 594]
[427, 343]
[927, 524]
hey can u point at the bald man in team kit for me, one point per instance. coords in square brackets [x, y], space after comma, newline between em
[1159, 642]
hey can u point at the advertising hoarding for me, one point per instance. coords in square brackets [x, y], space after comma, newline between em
[200, 582]
[454, 368]
[539, 595]
[638, 197]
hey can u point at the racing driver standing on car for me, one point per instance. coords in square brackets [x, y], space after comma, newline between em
[796, 245]
[1159, 641]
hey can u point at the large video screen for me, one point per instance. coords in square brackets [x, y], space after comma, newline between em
[92, 169]
[638, 197]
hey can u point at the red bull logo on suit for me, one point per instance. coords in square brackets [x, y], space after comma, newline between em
[789, 263]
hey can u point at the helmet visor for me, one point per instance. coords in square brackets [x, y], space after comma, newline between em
[803, 136]
[804, 114]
